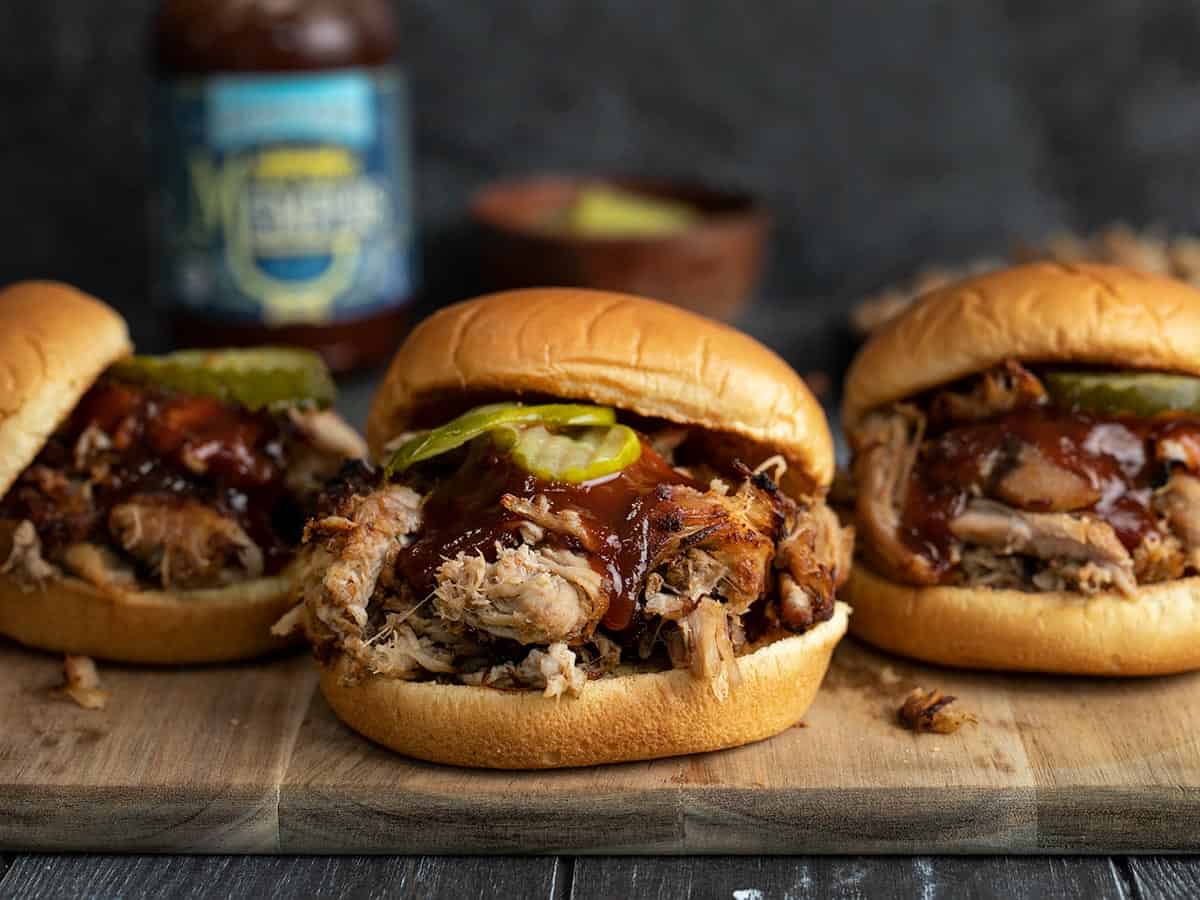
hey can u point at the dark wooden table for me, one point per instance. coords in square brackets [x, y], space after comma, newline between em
[740, 878]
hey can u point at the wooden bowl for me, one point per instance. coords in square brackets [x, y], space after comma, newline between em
[711, 266]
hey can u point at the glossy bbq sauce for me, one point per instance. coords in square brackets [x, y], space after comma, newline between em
[1114, 455]
[627, 519]
[174, 447]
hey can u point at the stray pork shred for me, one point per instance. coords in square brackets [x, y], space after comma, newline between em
[927, 711]
[83, 682]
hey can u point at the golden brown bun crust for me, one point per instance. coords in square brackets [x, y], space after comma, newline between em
[618, 350]
[1157, 633]
[68, 615]
[1044, 312]
[614, 719]
[54, 342]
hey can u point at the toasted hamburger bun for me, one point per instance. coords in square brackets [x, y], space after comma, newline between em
[69, 615]
[1155, 633]
[1040, 313]
[616, 719]
[55, 341]
[638, 355]
[656, 361]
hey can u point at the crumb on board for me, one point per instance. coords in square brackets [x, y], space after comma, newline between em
[889, 676]
[82, 682]
[928, 711]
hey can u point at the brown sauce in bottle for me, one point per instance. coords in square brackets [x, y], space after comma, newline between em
[282, 172]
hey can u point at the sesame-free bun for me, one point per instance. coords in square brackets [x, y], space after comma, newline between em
[68, 615]
[1156, 632]
[1044, 312]
[54, 342]
[614, 719]
[638, 355]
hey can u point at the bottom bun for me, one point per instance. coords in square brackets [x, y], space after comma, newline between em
[1156, 632]
[68, 615]
[616, 719]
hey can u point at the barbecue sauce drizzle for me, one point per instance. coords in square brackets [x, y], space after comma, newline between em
[159, 439]
[1115, 454]
[627, 518]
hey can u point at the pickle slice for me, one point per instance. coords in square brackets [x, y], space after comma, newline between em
[256, 377]
[483, 419]
[588, 454]
[1137, 393]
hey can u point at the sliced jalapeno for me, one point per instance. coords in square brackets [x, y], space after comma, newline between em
[256, 378]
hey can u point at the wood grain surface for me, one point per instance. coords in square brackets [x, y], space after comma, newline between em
[1164, 878]
[185, 877]
[879, 878]
[250, 759]
[180, 760]
[651, 878]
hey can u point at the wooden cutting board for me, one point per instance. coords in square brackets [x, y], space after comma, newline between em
[249, 758]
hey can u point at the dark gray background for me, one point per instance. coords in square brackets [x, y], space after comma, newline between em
[881, 134]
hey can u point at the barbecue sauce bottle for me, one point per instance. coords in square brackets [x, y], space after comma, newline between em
[282, 175]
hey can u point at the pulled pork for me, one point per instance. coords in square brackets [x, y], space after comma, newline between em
[82, 683]
[929, 711]
[184, 542]
[532, 596]
[25, 561]
[477, 573]
[989, 484]
[145, 487]
[885, 450]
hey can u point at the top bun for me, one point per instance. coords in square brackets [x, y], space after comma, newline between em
[1043, 312]
[649, 358]
[54, 342]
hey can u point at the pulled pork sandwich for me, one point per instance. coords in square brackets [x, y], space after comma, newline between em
[150, 506]
[600, 536]
[1027, 474]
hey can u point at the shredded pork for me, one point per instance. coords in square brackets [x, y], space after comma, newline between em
[347, 551]
[1024, 495]
[82, 683]
[706, 647]
[885, 449]
[929, 711]
[534, 596]
[527, 613]
[25, 561]
[1089, 542]
[145, 487]
[184, 542]
[1179, 501]
[1002, 389]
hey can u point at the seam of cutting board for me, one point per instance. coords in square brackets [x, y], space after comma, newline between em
[285, 759]
[289, 753]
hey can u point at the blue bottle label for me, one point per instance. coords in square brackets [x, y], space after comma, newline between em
[285, 199]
